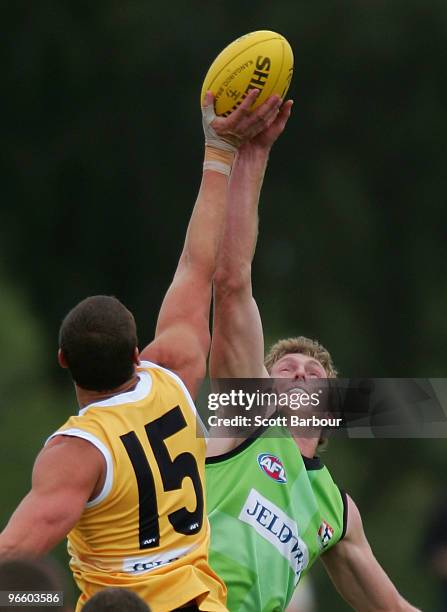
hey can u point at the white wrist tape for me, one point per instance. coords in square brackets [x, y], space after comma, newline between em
[218, 160]
[211, 138]
[217, 167]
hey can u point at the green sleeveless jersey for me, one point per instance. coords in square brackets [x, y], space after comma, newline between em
[272, 513]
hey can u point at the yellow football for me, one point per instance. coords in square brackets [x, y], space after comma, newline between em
[260, 60]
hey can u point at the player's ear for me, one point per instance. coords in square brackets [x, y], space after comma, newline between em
[61, 359]
[136, 356]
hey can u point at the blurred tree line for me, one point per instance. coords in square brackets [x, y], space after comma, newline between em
[100, 158]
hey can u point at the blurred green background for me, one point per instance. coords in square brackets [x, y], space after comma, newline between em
[101, 156]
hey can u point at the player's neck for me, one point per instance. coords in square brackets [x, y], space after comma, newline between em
[86, 396]
[308, 446]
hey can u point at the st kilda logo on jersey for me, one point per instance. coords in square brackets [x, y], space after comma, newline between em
[273, 467]
[325, 533]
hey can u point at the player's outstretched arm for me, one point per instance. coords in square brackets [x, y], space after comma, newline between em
[357, 574]
[65, 475]
[182, 337]
[237, 348]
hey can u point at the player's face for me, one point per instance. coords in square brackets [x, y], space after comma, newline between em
[303, 374]
[298, 367]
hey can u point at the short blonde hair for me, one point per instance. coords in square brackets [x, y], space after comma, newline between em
[302, 345]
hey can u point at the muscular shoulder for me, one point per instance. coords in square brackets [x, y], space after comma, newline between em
[70, 458]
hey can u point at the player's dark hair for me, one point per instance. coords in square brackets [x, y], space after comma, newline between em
[115, 600]
[17, 574]
[98, 338]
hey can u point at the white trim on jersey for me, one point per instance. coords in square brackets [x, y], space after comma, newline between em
[85, 435]
[176, 377]
[142, 389]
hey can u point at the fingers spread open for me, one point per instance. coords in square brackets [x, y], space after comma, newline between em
[284, 113]
[248, 101]
[268, 112]
[242, 124]
[243, 111]
[263, 116]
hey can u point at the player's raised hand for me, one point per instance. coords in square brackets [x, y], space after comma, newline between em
[229, 133]
[274, 128]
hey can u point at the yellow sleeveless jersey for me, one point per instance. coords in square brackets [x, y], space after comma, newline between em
[147, 530]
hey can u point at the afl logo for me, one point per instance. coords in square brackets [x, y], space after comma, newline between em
[273, 467]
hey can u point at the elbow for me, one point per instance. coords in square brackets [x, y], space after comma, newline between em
[229, 282]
